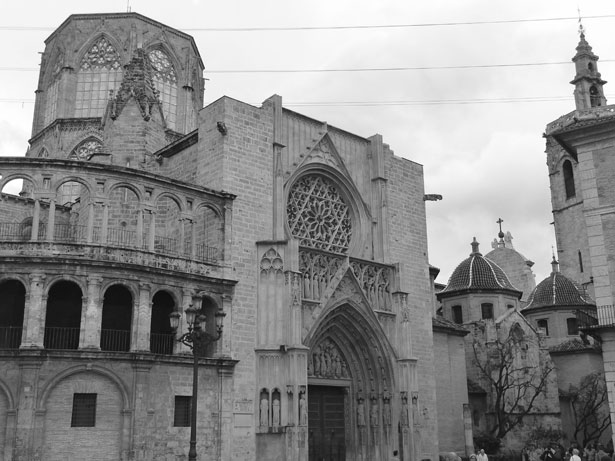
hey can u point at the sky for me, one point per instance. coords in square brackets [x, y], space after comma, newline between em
[476, 126]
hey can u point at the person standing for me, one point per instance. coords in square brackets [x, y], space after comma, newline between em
[575, 455]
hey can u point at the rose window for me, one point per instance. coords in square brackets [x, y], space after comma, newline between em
[318, 216]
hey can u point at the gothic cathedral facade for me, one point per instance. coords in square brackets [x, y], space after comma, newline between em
[134, 203]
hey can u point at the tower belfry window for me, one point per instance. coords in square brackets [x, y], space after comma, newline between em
[594, 96]
[568, 179]
[100, 71]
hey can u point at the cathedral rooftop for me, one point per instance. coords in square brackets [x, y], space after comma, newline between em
[557, 290]
[478, 273]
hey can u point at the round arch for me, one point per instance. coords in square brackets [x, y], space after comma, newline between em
[64, 278]
[349, 194]
[66, 179]
[9, 395]
[202, 206]
[137, 191]
[172, 196]
[4, 180]
[77, 369]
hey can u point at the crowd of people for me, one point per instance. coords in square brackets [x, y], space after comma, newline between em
[592, 452]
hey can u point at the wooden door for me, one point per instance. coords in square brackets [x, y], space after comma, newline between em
[326, 427]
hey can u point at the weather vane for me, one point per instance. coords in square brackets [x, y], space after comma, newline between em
[581, 28]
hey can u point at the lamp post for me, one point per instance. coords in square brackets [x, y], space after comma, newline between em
[197, 340]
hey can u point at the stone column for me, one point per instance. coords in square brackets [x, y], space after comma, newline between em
[90, 229]
[105, 224]
[193, 239]
[140, 229]
[152, 231]
[51, 221]
[36, 218]
[91, 317]
[142, 320]
[34, 314]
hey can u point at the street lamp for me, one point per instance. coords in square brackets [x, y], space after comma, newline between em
[197, 340]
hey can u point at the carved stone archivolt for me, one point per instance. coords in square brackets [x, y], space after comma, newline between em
[317, 271]
[375, 282]
[318, 216]
[326, 361]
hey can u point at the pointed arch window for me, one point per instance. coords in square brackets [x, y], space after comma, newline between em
[100, 71]
[43, 153]
[51, 92]
[165, 81]
[86, 149]
[568, 179]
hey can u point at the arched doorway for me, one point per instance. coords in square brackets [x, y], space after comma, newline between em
[162, 337]
[13, 299]
[63, 316]
[351, 388]
[116, 319]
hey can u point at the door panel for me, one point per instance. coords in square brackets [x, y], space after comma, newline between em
[326, 427]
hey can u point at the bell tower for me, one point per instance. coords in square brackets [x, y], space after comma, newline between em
[588, 86]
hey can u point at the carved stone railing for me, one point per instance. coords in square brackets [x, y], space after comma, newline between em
[318, 269]
[116, 237]
[595, 113]
[108, 254]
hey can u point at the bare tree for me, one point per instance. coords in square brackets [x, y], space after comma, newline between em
[516, 382]
[590, 412]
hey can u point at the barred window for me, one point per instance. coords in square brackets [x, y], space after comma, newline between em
[165, 81]
[100, 71]
[183, 410]
[84, 410]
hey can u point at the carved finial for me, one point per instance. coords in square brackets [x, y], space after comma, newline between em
[554, 265]
[474, 247]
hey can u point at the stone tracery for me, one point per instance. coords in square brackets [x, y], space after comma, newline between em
[318, 216]
[317, 270]
[375, 282]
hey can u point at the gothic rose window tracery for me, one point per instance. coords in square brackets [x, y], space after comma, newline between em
[85, 150]
[318, 216]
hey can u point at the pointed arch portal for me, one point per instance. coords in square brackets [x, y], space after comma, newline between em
[350, 383]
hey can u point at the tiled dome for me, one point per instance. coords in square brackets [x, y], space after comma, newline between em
[478, 273]
[557, 290]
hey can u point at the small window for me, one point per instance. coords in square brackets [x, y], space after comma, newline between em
[569, 179]
[580, 261]
[543, 325]
[84, 410]
[486, 310]
[457, 314]
[510, 306]
[573, 328]
[183, 409]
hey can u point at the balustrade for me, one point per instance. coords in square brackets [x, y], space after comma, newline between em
[61, 338]
[10, 337]
[115, 340]
[161, 343]
[119, 237]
